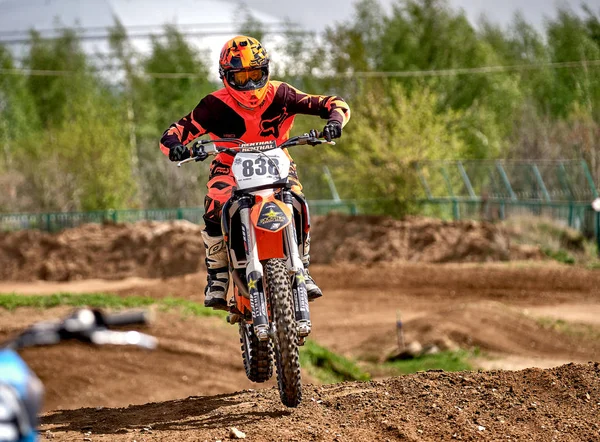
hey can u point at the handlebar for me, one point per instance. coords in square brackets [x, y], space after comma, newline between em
[86, 325]
[200, 153]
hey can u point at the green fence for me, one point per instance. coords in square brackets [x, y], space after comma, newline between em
[576, 215]
[579, 216]
[53, 222]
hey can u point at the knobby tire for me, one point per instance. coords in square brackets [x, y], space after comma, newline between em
[287, 360]
[257, 355]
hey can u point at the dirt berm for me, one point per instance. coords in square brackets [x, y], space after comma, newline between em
[373, 239]
[559, 404]
[165, 249]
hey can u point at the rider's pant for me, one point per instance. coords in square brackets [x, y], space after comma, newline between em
[220, 185]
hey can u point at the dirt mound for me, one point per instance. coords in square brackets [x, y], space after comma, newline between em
[163, 249]
[552, 404]
[371, 239]
[109, 251]
[487, 326]
[470, 304]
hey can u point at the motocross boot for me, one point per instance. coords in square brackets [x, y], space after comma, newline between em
[312, 289]
[217, 269]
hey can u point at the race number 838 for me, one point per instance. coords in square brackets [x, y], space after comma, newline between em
[260, 166]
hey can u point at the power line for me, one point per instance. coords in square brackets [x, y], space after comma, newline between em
[481, 70]
[367, 74]
[58, 30]
[148, 31]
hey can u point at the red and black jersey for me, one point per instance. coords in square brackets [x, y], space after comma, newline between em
[220, 116]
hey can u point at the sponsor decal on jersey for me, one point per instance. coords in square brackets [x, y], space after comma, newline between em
[271, 127]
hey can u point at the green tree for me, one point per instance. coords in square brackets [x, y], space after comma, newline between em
[81, 159]
[166, 99]
[374, 160]
[568, 41]
[173, 95]
[65, 58]
[18, 116]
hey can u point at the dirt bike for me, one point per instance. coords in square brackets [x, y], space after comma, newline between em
[21, 391]
[265, 227]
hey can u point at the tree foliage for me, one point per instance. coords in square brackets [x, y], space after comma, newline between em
[423, 83]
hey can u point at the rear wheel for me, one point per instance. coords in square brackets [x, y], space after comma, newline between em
[257, 355]
[287, 361]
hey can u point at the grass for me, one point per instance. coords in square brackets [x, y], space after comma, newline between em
[329, 367]
[446, 360]
[574, 329]
[556, 241]
[11, 301]
[559, 255]
[321, 363]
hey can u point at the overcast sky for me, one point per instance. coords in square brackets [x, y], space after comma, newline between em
[317, 14]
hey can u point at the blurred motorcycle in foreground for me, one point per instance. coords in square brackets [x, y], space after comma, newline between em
[21, 391]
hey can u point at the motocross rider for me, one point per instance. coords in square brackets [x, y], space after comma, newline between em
[253, 108]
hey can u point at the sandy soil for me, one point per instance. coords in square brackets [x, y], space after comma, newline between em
[490, 306]
[521, 315]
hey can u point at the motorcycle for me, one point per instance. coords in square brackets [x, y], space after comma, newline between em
[265, 228]
[21, 391]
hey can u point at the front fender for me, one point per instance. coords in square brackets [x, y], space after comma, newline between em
[270, 215]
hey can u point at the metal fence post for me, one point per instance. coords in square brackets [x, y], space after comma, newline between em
[455, 210]
[598, 234]
[570, 220]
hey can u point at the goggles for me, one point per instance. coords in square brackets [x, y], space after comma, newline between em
[248, 79]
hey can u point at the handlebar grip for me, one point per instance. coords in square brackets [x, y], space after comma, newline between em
[127, 318]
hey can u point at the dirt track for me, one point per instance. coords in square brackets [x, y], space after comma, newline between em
[492, 306]
[534, 404]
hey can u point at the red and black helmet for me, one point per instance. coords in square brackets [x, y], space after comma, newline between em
[244, 69]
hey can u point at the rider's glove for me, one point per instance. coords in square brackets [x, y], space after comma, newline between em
[333, 129]
[179, 153]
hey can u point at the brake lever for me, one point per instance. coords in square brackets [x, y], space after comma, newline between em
[314, 142]
[186, 161]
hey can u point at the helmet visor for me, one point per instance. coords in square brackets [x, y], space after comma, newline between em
[248, 79]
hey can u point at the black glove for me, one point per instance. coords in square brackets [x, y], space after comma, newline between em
[179, 153]
[332, 129]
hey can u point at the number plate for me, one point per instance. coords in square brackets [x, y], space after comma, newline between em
[260, 169]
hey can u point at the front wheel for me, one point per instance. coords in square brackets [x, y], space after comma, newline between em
[279, 290]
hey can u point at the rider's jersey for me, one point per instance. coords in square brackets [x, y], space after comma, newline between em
[220, 116]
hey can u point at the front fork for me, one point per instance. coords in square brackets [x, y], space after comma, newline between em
[294, 263]
[254, 273]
